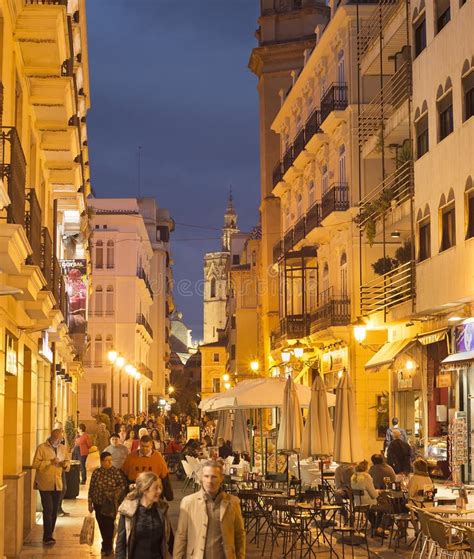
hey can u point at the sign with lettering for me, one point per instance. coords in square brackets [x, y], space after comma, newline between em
[404, 380]
[443, 380]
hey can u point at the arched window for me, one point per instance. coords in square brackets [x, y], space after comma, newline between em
[467, 79]
[109, 300]
[343, 276]
[311, 193]
[110, 254]
[98, 351]
[424, 234]
[447, 221]
[341, 74]
[213, 288]
[325, 285]
[99, 302]
[299, 205]
[342, 164]
[469, 201]
[99, 255]
[324, 179]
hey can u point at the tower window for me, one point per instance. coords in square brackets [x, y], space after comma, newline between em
[213, 288]
[99, 255]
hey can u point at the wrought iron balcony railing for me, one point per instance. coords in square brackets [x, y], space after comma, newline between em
[390, 193]
[336, 199]
[295, 326]
[144, 322]
[335, 99]
[389, 290]
[13, 169]
[33, 228]
[332, 311]
[288, 240]
[277, 251]
[313, 217]
[299, 231]
[47, 258]
[390, 97]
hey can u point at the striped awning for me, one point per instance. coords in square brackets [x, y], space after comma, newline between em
[387, 354]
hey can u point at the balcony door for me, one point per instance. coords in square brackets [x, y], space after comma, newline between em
[342, 164]
[341, 75]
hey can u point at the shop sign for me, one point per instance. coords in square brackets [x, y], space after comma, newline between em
[76, 287]
[11, 356]
[464, 337]
[404, 380]
[443, 380]
[334, 360]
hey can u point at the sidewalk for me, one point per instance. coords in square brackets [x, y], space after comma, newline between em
[68, 530]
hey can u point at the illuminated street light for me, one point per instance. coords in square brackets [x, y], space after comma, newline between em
[360, 330]
[129, 369]
[285, 355]
[298, 349]
[120, 361]
[254, 365]
[112, 356]
[225, 377]
[227, 385]
[410, 365]
[170, 389]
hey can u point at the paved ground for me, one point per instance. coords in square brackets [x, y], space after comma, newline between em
[68, 529]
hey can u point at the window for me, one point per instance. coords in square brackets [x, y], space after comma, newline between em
[422, 139]
[215, 357]
[99, 255]
[445, 115]
[324, 179]
[233, 322]
[99, 351]
[470, 212]
[213, 288]
[235, 259]
[110, 254]
[341, 76]
[98, 395]
[313, 290]
[299, 205]
[342, 164]
[216, 384]
[254, 258]
[99, 302]
[109, 300]
[419, 33]
[468, 94]
[343, 276]
[232, 351]
[424, 239]
[448, 227]
[325, 282]
[311, 193]
[443, 14]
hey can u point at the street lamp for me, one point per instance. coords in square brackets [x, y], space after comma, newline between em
[225, 377]
[298, 349]
[360, 329]
[285, 356]
[254, 365]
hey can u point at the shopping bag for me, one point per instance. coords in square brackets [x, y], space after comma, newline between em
[87, 531]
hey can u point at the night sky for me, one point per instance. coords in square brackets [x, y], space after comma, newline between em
[171, 76]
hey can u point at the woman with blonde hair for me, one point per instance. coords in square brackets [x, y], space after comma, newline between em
[144, 531]
[419, 482]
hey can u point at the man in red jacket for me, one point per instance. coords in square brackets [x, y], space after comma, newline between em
[83, 443]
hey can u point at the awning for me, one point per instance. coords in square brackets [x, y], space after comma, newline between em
[387, 353]
[456, 357]
[432, 337]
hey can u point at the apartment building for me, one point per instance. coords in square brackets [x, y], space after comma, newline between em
[44, 254]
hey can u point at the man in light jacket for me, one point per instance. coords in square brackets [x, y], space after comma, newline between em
[50, 460]
[210, 521]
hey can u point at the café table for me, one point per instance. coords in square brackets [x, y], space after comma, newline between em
[446, 511]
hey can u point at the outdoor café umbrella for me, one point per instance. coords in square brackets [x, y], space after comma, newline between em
[240, 436]
[291, 423]
[318, 434]
[223, 427]
[347, 445]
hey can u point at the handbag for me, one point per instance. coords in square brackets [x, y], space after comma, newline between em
[87, 531]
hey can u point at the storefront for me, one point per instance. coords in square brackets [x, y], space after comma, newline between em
[459, 369]
[333, 361]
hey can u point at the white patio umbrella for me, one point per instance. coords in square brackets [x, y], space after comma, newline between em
[347, 445]
[318, 434]
[291, 422]
[223, 427]
[258, 393]
[240, 436]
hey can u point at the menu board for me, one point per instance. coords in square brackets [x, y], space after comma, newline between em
[458, 444]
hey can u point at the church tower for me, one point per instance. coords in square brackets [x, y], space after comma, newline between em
[230, 224]
[215, 278]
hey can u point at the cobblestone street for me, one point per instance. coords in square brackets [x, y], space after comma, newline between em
[68, 530]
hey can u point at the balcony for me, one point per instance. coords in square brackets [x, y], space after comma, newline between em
[371, 28]
[141, 274]
[389, 290]
[13, 170]
[47, 259]
[277, 174]
[335, 99]
[388, 195]
[295, 326]
[277, 252]
[33, 228]
[288, 240]
[336, 199]
[333, 311]
[142, 321]
[313, 217]
[391, 97]
[299, 231]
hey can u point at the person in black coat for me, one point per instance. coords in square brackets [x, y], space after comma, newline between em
[399, 454]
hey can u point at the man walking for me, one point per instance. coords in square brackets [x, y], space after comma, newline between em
[118, 451]
[389, 433]
[147, 459]
[50, 460]
[399, 454]
[210, 521]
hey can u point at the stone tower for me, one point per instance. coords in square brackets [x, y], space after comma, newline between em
[215, 278]
[287, 30]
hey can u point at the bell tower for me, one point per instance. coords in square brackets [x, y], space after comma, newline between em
[230, 223]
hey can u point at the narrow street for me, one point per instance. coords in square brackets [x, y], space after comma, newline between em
[68, 530]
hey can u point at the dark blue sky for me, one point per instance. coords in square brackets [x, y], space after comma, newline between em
[171, 76]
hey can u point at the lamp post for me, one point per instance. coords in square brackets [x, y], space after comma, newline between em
[112, 356]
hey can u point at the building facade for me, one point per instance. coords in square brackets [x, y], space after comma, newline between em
[213, 367]
[44, 254]
[129, 296]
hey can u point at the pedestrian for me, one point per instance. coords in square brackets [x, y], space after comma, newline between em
[122, 433]
[389, 433]
[117, 450]
[107, 488]
[210, 521]
[380, 471]
[147, 459]
[83, 443]
[131, 442]
[50, 460]
[399, 454]
[420, 482]
[155, 437]
[102, 437]
[144, 530]
[174, 429]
